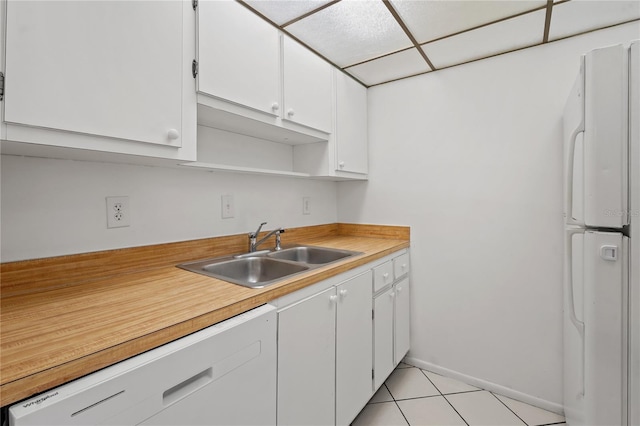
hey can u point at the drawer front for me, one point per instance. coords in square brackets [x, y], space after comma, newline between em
[382, 275]
[401, 265]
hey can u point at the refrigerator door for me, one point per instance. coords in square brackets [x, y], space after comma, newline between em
[634, 283]
[596, 185]
[573, 367]
[573, 152]
[595, 328]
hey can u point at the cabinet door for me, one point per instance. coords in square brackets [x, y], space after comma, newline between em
[238, 56]
[402, 317]
[306, 361]
[353, 348]
[307, 87]
[101, 68]
[383, 336]
[351, 125]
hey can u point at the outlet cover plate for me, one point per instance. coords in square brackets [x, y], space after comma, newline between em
[118, 215]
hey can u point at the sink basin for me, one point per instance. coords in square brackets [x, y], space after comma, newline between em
[259, 269]
[254, 272]
[311, 255]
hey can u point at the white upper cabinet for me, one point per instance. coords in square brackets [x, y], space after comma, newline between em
[307, 87]
[97, 68]
[351, 125]
[238, 56]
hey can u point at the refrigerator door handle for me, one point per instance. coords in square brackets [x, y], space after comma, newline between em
[569, 279]
[579, 325]
[568, 199]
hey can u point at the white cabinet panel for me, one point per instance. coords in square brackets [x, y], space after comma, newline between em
[392, 314]
[111, 69]
[306, 361]
[401, 266]
[383, 337]
[238, 56]
[382, 276]
[354, 360]
[307, 87]
[402, 317]
[351, 125]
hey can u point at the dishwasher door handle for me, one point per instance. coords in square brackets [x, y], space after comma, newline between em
[188, 386]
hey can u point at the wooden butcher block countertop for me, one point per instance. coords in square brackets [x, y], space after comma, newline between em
[65, 317]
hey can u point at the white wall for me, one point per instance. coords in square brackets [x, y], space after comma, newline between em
[55, 207]
[471, 159]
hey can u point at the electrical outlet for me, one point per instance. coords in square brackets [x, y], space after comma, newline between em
[118, 215]
[228, 209]
[306, 205]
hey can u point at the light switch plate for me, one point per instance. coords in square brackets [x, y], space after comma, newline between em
[306, 205]
[228, 208]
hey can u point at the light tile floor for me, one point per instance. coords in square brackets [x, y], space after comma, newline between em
[416, 397]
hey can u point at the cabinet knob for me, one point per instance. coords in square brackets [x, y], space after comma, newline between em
[291, 112]
[392, 294]
[398, 289]
[343, 293]
[333, 298]
[173, 134]
[275, 106]
[385, 275]
[341, 164]
[404, 266]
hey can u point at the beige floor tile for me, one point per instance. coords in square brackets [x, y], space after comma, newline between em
[483, 409]
[405, 383]
[533, 416]
[431, 411]
[382, 414]
[382, 395]
[403, 365]
[448, 385]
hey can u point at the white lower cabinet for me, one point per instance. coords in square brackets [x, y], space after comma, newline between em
[354, 359]
[306, 361]
[391, 319]
[401, 327]
[383, 338]
[324, 355]
[337, 344]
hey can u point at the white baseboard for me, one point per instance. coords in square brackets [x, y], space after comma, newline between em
[483, 384]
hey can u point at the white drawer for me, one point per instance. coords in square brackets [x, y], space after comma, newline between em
[401, 265]
[382, 275]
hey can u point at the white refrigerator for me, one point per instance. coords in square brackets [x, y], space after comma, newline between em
[602, 240]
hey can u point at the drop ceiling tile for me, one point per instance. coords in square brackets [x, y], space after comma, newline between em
[577, 16]
[283, 11]
[391, 67]
[522, 31]
[351, 31]
[429, 20]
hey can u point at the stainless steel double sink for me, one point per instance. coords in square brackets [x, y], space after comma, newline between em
[257, 270]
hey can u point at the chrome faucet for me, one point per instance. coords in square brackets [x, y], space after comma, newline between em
[253, 238]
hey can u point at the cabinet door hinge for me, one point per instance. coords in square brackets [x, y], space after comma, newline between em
[194, 3]
[373, 374]
[1, 86]
[373, 314]
[194, 68]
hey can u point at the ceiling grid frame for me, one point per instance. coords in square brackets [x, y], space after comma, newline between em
[548, 7]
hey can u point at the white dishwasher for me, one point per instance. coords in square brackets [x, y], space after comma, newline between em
[222, 375]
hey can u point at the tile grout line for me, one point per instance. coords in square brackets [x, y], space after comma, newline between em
[508, 408]
[396, 402]
[445, 398]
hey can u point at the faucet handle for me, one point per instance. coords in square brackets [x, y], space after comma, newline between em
[255, 234]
